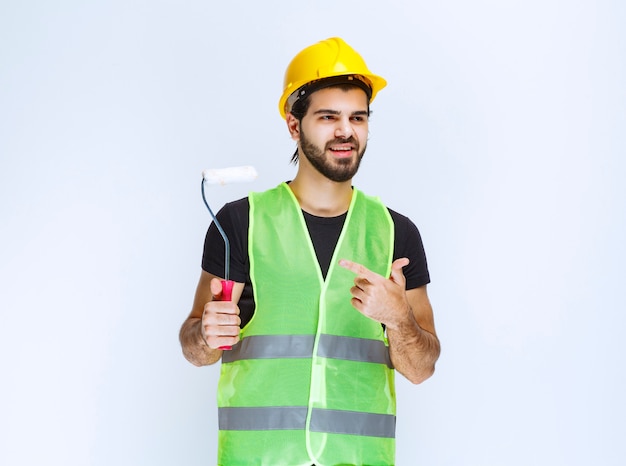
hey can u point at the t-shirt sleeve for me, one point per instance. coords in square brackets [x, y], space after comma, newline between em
[233, 218]
[408, 243]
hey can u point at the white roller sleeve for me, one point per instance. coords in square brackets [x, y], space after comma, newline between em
[222, 176]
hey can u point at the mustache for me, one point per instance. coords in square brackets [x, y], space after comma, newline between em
[349, 140]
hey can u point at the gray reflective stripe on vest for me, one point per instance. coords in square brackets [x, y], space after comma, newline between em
[301, 346]
[274, 418]
[294, 418]
[354, 349]
[271, 347]
[353, 423]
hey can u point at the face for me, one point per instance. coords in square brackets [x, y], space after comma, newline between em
[333, 133]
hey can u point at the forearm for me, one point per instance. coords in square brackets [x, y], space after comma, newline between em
[195, 349]
[413, 350]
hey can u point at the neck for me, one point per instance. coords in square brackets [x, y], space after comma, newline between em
[320, 196]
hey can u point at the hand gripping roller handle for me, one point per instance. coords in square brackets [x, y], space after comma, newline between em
[223, 176]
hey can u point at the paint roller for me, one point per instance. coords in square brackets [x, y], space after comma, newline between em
[224, 176]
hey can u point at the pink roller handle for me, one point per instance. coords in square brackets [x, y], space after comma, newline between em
[227, 295]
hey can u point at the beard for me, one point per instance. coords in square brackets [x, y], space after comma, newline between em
[338, 170]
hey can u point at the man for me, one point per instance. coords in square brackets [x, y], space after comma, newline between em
[330, 290]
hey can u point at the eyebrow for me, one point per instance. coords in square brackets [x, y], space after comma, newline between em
[337, 112]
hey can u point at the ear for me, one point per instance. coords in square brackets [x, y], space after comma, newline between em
[293, 125]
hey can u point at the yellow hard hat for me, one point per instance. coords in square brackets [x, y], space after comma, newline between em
[326, 59]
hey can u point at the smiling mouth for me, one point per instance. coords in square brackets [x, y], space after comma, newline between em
[341, 149]
[344, 151]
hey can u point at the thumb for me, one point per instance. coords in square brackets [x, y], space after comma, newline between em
[396, 269]
[216, 287]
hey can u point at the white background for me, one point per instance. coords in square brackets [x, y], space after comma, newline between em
[501, 134]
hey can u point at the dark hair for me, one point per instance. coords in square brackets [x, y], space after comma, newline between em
[301, 106]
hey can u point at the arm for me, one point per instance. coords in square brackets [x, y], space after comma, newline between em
[211, 323]
[413, 344]
[407, 315]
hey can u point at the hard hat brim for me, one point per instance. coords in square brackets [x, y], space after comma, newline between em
[373, 82]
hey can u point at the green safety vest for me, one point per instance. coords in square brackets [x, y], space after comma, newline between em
[311, 380]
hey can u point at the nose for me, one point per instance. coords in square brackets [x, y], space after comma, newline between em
[344, 129]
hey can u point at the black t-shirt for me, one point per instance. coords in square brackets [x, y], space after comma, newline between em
[324, 233]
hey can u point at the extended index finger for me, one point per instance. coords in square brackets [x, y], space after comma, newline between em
[358, 269]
